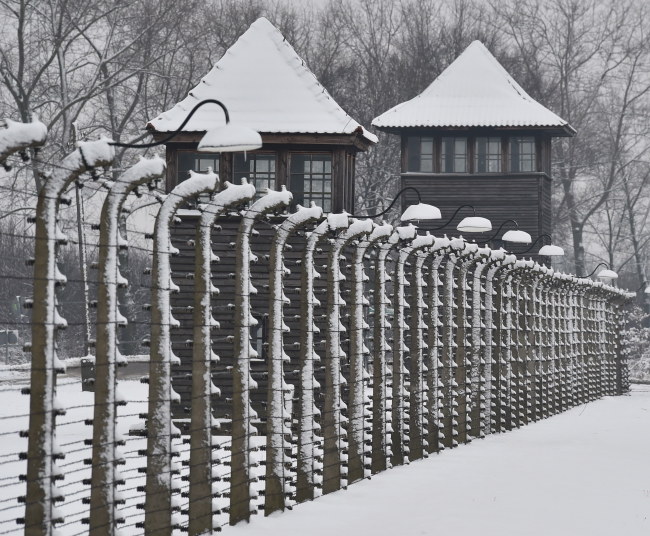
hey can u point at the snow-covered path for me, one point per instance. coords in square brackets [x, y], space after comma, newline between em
[582, 473]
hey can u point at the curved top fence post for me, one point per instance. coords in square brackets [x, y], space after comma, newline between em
[42, 492]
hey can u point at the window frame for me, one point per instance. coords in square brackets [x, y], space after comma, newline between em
[443, 155]
[215, 157]
[511, 156]
[488, 156]
[301, 192]
[237, 175]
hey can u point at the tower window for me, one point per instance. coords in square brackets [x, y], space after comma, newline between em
[454, 155]
[488, 155]
[420, 154]
[258, 168]
[199, 162]
[311, 179]
[522, 154]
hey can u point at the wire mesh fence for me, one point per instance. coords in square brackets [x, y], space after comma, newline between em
[286, 354]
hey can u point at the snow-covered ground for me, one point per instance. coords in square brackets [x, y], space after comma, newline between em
[582, 473]
[585, 472]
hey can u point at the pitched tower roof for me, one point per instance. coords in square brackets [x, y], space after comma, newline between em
[266, 86]
[474, 91]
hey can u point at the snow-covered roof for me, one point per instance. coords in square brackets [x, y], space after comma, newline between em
[474, 91]
[266, 86]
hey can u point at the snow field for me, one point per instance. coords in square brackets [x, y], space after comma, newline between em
[584, 472]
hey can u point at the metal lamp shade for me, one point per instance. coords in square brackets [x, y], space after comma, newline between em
[474, 224]
[551, 251]
[517, 236]
[607, 274]
[421, 212]
[230, 138]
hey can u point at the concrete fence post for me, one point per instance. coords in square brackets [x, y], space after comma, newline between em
[434, 341]
[476, 383]
[334, 433]
[104, 517]
[414, 437]
[496, 259]
[242, 412]
[310, 460]
[162, 470]
[41, 512]
[380, 434]
[200, 509]
[399, 411]
[278, 419]
[359, 418]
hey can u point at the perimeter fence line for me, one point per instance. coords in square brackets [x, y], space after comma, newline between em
[313, 351]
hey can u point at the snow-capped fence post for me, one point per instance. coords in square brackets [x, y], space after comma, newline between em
[448, 343]
[380, 440]
[308, 463]
[358, 400]
[200, 509]
[17, 137]
[242, 412]
[416, 440]
[476, 386]
[460, 407]
[278, 418]
[41, 512]
[333, 433]
[434, 342]
[105, 476]
[528, 341]
[496, 261]
[161, 485]
[545, 350]
[399, 417]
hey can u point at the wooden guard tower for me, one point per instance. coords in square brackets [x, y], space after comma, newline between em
[474, 136]
[310, 142]
[309, 146]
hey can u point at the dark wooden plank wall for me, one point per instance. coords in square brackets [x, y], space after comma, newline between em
[524, 198]
[224, 237]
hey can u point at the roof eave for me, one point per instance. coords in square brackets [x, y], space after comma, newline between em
[563, 130]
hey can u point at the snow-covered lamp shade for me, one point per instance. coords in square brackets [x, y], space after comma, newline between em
[607, 274]
[551, 251]
[517, 236]
[230, 138]
[421, 212]
[474, 224]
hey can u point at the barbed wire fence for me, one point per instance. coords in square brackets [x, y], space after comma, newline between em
[290, 354]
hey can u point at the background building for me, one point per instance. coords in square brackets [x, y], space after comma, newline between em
[474, 136]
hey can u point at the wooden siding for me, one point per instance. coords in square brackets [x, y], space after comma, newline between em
[223, 309]
[525, 198]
